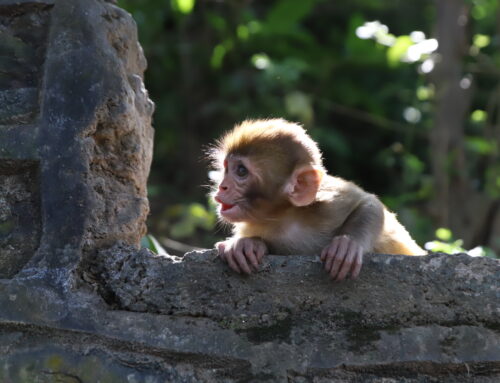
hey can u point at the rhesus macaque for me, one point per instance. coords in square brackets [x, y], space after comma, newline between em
[280, 200]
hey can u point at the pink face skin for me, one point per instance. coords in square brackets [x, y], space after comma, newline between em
[238, 174]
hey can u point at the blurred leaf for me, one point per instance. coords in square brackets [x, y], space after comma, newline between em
[443, 234]
[413, 163]
[478, 116]
[481, 145]
[217, 22]
[218, 56]
[183, 6]
[260, 61]
[425, 93]
[150, 242]
[481, 41]
[493, 181]
[443, 247]
[285, 14]
[197, 210]
[366, 52]
[396, 52]
[182, 229]
[479, 12]
[242, 32]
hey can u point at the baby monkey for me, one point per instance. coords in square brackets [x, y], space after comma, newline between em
[277, 195]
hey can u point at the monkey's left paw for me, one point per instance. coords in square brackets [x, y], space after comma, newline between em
[343, 257]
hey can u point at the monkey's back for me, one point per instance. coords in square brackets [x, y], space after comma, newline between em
[395, 239]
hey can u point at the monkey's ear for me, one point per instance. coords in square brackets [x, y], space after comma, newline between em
[303, 185]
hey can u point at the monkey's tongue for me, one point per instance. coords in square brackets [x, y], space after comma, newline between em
[223, 206]
[226, 206]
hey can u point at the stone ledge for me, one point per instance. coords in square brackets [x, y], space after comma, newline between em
[412, 319]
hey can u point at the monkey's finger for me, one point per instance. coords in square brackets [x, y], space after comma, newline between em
[261, 251]
[351, 255]
[323, 254]
[242, 262]
[358, 262]
[240, 256]
[251, 257]
[330, 254]
[231, 262]
[220, 246]
[336, 249]
[339, 257]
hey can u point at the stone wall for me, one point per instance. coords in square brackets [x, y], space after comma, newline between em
[79, 302]
[75, 132]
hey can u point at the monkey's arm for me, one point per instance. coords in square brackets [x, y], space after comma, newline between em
[356, 236]
[365, 223]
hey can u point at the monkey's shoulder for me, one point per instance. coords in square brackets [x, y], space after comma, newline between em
[335, 191]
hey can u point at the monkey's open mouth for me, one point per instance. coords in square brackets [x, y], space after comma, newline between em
[226, 206]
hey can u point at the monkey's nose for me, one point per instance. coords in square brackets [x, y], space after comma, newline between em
[222, 188]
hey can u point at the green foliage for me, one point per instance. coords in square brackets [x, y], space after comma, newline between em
[184, 220]
[444, 243]
[183, 6]
[397, 51]
[151, 243]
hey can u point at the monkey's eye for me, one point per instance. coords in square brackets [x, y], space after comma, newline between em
[241, 171]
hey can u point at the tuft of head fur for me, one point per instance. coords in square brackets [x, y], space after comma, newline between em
[282, 138]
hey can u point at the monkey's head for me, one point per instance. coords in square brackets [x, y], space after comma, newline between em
[266, 168]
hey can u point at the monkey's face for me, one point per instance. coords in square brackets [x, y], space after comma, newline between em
[238, 190]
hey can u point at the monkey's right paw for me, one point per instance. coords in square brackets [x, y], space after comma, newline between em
[242, 254]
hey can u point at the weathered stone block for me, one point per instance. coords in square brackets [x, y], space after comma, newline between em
[24, 28]
[72, 104]
[20, 224]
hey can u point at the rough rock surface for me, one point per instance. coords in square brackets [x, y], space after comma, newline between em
[80, 303]
[75, 132]
[147, 318]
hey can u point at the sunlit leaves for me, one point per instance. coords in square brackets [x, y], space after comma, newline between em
[481, 41]
[405, 48]
[219, 52]
[260, 61]
[377, 31]
[242, 32]
[183, 6]
[481, 145]
[218, 56]
[398, 50]
[425, 93]
[446, 244]
[186, 219]
[478, 116]
[443, 234]
[481, 9]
